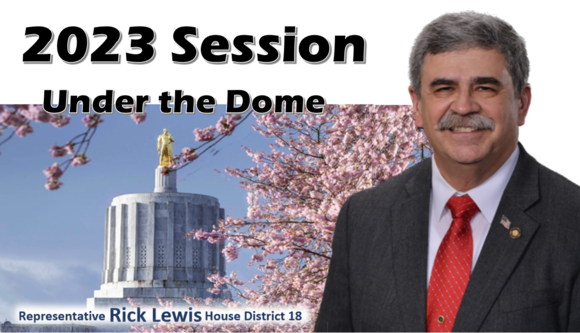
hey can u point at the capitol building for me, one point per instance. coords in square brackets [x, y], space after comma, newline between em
[146, 253]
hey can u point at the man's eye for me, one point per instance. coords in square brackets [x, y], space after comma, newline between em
[444, 89]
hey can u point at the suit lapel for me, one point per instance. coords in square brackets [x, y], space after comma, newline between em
[500, 253]
[410, 221]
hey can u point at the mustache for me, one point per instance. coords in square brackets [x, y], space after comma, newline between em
[474, 120]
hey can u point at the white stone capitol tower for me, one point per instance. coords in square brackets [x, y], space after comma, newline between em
[146, 252]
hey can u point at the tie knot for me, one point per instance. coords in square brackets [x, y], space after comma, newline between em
[462, 207]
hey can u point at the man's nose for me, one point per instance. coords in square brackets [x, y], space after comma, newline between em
[465, 103]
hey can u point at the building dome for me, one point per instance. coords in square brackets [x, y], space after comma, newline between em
[146, 252]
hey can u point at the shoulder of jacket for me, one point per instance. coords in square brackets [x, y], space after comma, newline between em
[560, 194]
[558, 183]
[558, 207]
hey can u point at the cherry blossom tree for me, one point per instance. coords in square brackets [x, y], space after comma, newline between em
[295, 192]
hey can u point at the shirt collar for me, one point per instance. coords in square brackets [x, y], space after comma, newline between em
[486, 196]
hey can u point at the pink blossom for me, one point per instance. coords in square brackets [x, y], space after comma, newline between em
[316, 195]
[230, 252]
[57, 151]
[132, 302]
[53, 172]
[22, 130]
[212, 237]
[52, 185]
[256, 257]
[35, 112]
[290, 262]
[168, 304]
[79, 160]
[189, 154]
[193, 301]
[271, 264]
[227, 124]
[206, 134]
[92, 120]
[12, 119]
[59, 120]
[69, 147]
[138, 118]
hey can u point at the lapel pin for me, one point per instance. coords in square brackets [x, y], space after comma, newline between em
[505, 222]
[515, 233]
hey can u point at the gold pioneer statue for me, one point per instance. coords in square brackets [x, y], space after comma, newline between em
[165, 148]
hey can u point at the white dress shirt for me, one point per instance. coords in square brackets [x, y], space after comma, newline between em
[486, 196]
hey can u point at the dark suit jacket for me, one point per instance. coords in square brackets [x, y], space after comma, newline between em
[377, 280]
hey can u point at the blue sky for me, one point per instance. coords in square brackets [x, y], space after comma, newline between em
[51, 243]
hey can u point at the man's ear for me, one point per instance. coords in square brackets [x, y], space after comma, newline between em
[524, 104]
[416, 111]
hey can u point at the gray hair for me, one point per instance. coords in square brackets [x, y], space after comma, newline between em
[459, 31]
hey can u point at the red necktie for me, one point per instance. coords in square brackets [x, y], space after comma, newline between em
[452, 267]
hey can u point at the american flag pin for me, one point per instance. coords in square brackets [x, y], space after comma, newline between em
[505, 222]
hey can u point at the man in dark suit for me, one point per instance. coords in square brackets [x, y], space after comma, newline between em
[480, 237]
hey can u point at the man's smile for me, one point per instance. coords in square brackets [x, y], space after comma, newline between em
[465, 129]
